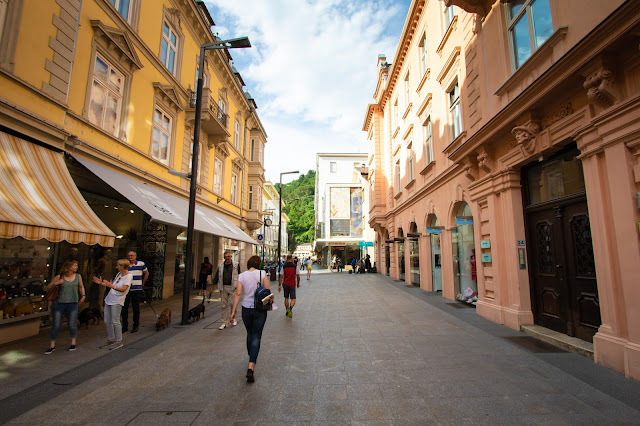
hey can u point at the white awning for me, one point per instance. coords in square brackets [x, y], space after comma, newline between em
[167, 208]
[38, 198]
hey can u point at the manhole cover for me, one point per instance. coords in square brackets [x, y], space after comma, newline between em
[165, 417]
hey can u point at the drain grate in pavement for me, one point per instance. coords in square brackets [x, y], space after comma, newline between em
[164, 418]
[534, 345]
[460, 305]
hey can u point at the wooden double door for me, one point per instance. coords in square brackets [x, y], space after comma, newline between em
[562, 271]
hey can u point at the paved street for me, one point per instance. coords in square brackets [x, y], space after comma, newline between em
[360, 349]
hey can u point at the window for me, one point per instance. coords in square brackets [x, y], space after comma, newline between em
[261, 148]
[424, 55]
[529, 26]
[123, 7]
[217, 176]
[253, 147]
[397, 176]
[201, 154]
[161, 136]
[333, 167]
[449, 14]
[250, 197]
[105, 104]
[411, 161]
[407, 90]
[234, 188]
[454, 111]
[169, 49]
[236, 135]
[428, 140]
[395, 116]
[205, 77]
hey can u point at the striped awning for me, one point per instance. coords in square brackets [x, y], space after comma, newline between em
[38, 198]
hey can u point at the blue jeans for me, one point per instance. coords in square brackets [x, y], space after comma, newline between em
[254, 323]
[70, 310]
[112, 322]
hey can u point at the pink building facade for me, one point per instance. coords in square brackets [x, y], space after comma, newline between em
[504, 164]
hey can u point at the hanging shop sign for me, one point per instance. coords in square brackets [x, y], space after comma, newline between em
[435, 230]
[365, 243]
[464, 220]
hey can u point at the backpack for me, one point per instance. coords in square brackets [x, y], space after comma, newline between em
[262, 298]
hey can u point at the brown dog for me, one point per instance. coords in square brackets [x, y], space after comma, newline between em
[164, 319]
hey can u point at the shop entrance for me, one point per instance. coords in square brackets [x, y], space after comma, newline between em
[387, 259]
[435, 232]
[562, 271]
[414, 254]
[464, 259]
[401, 264]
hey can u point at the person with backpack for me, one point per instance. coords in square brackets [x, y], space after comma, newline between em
[289, 277]
[206, 269]
[253, 319]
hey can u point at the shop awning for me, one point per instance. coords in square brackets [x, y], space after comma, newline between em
[38, 198]
[167, 208]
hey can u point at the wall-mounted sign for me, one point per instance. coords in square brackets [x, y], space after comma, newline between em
[435, 230]
[365, 243]
[520, 243]
[260, 237]
[464, 220]
[389, 241]
[486, 258]
[522, 262]
[485, 244]
[398, 240]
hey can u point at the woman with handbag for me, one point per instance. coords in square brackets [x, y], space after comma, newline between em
[70, 293]
[114, 301]
[254, 319]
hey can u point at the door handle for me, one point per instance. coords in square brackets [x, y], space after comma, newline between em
[560, 274]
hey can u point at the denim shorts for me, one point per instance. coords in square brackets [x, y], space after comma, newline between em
[289, 292]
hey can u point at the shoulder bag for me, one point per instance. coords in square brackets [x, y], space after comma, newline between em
[52, 294]
[262, 298]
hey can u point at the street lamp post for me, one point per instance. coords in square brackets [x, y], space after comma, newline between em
[280, 216]
[235, 43]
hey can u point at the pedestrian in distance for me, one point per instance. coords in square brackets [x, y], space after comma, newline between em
[309, 267]
[71, 294]
[206, 269]
[252, 318]
[114, 301]
[367, 263]
[135, 296]
[339, 264]
[227, 280]
[290, 277]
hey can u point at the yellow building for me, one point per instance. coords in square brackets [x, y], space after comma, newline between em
[97, 106]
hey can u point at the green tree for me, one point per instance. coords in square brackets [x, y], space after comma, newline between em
[299, 198]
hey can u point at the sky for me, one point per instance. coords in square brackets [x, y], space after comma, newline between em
[312, 70]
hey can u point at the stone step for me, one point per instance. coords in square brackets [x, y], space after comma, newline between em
[567, 343]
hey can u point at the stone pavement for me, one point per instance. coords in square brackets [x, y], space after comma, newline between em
[360, 349]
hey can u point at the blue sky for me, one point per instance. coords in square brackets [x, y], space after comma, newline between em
[312, 70]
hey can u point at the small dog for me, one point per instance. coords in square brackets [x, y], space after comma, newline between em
[90, 314]
[194, 313]
[164, 319]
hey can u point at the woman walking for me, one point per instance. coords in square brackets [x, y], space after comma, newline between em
[71, 293]
[114, 301]
[253, 319]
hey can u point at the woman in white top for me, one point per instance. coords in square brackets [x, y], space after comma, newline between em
[114, 301]
[253, 319]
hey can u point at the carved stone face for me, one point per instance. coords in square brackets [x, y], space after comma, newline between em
[520, 135]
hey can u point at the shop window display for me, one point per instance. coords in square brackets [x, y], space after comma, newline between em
[464, 260]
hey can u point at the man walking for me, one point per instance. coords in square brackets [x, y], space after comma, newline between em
[227, 280]
[139, 275]
[290, 277]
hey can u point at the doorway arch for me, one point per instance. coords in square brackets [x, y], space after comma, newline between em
[463, 253]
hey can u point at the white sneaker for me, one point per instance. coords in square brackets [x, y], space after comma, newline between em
[222, 327]
[234, 322]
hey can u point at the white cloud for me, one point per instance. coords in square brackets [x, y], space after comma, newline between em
[312, 70]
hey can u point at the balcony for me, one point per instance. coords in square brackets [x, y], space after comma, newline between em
[254, 219]
[214, 120]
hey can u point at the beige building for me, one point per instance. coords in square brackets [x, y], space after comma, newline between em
[504, 164]
[97, 107]
[270, 200]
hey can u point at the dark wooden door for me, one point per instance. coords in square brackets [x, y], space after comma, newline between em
[562, 268]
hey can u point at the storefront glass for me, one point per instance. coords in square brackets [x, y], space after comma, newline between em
[435, 234]
[463, 250]
[414, 260]
[401, 259]
[387, 259]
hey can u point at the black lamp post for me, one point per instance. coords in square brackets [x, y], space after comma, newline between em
[234, 43]
[280, 216]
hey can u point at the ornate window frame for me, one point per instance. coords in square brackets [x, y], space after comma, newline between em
[172, 18]
[9, 32]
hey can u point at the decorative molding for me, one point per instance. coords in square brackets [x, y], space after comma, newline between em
[484, 161]
[237, 164]
[449, 63]
[406, 111]
[470, 168]
[526, 136]
[452, 26]
[407, 132]
[118, 42]
[424, 104]
[169, 95]
[600, 88]
[479, 7]
[563, 112]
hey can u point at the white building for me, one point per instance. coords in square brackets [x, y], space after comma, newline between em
[270, 211]
[340, 203]
[303, 250]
